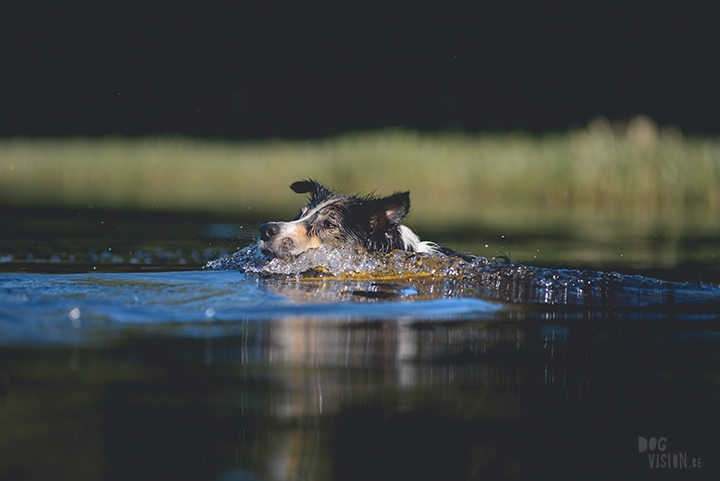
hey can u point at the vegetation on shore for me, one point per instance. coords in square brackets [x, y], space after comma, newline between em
[632, 170]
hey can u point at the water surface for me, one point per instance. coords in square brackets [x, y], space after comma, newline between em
[121, 359]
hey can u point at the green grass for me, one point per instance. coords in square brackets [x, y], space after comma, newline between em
[634, 171]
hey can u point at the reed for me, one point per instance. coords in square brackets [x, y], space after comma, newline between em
[633, 169]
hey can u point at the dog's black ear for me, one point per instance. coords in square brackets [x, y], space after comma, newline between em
[316, 189]
[388, 211]
[304, 186]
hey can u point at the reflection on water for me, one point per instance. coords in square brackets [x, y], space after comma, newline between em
[303, 398]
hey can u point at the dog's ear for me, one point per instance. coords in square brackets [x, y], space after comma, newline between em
[316, 189]
[388, 211]
[304, 186]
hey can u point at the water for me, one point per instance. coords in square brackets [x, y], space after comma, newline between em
[121, 359]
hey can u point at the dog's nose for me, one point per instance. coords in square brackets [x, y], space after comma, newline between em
[268, 231]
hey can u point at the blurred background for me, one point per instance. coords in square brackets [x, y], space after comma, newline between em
[155, 136]
[501, 119]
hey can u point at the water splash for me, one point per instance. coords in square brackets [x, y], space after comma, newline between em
[345, 262]
[469, 276]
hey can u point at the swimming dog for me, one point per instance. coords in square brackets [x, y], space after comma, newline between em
[370, 222]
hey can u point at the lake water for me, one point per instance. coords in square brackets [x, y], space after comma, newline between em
[120, 358]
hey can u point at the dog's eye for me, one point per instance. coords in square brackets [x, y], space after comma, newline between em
[328, 225]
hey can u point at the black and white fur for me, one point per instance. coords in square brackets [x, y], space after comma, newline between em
[370, 222]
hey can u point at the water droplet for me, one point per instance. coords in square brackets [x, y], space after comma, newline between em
[74, 316]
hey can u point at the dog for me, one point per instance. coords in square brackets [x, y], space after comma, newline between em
[370, 222]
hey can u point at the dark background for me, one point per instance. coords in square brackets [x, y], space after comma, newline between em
[295, 70]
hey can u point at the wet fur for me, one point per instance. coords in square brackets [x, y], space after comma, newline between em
[370, 222]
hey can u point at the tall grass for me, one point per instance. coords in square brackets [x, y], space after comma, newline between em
[626, 169]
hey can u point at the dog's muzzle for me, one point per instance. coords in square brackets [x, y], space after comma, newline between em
[274, 243]
[285, 239]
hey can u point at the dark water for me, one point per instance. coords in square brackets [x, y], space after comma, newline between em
[121, 359]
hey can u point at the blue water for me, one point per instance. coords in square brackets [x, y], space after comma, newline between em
[81, 308]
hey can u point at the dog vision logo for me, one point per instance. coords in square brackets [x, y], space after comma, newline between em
[660, 458]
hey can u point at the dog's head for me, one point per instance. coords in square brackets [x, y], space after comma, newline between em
[370, 222]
